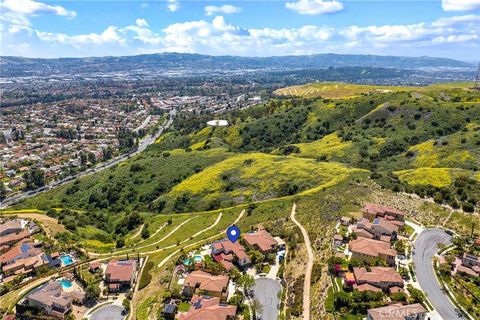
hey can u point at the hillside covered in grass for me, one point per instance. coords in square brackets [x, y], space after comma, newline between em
[423, 140]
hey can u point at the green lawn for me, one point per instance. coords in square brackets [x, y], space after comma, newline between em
[183, 307]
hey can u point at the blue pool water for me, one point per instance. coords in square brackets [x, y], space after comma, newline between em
[66, 283]
[197, 258]
[187, 262]
[66, 260]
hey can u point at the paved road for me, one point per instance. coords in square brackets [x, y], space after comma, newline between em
[266, 291]
[109, 312]
[102, 166]
[308, 271]
[425, 249]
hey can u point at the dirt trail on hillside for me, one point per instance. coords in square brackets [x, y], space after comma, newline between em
[308, 272]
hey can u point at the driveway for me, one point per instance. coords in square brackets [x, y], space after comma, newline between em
[266, 291]
[425, 249]
[109, 312]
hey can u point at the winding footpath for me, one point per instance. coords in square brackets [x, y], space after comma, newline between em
[93, 254]
[308, 272]
[137, 233]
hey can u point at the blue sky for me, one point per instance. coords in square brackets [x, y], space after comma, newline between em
[69, 28]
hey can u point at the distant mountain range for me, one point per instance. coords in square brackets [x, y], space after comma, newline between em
[164, 62]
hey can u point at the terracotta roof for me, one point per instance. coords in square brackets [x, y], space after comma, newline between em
[14, 237]
[94, 265]
[228, 246]
[362, 233]
[377, 274]
[371, 247]
[22, 248]
[225, 260]
[376, 209]
[206, 281]
[120, 270]
[260, 238]
[396, 311]
[366, 287]
[208, 308]
[385, 224]
[466, 270]
[385, 238]
[395, 289]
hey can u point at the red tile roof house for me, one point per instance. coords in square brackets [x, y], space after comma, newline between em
[22, 258]
[398, 312]
[362, 233]
[380, 277]
[372, 211]
[379, 228]
[208, 308]
[205, 282]
[94, 266]
[13, 238]
[368, 250]
[261, 240]
[228, 253]
[120, 274]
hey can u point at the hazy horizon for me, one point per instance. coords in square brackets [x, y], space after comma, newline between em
[241, 56]
[53, 29]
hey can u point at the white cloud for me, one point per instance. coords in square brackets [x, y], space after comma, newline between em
[173, 5]
[456, 38]
[458, 20]
[31, 8]
[217, 36]
[142, 33]
[388, 33]
[225, 9]
[460, 5]
[141, 23]
[109, 35]
[16, 13]
[313, 7]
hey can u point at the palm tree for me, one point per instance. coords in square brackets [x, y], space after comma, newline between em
[256, 308]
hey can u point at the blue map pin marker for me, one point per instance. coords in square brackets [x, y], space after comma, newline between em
[233, 233]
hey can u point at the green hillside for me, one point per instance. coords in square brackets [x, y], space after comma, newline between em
[251, 177]
[423, 140]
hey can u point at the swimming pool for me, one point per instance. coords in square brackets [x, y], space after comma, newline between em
[198, 258]
[66, 283]
[66, 259]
